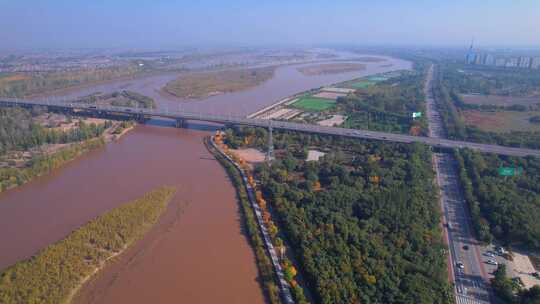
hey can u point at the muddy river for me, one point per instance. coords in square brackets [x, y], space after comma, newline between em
[198, 252]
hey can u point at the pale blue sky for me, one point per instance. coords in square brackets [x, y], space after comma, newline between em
[165, 23]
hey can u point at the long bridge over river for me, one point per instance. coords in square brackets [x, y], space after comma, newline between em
[181, 117]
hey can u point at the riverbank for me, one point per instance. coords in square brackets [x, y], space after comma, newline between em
[264, 264]
[14, 177]
[55, 273]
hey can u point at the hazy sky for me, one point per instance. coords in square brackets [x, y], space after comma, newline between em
[166, 23]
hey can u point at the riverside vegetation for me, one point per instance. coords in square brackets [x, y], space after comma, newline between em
[40, 165]
[29, 149]
[55, 274]
[20, 132]
[363, 221]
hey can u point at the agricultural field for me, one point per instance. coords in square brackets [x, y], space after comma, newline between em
[499, 100]
[362, 84]
[501, 121]
[486, 80]
[314, 104]
[489, 105]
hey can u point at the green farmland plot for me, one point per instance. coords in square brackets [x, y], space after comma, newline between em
[314, 104]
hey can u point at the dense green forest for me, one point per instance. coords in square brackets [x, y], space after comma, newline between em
[449, 105]
[388, 105]
[363, 222]
[264, 265]
[504, 208]
[56, 272]
[18, 130]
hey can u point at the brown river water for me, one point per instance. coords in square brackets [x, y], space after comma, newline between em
[197, 253]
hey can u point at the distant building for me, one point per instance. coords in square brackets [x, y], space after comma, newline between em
[490, 60]
[500, 62]
[535, 64]
[471, 58]
[480, 59]
[512, 63]
[524, 62]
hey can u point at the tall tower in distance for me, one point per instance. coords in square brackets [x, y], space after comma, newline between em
[471, 56]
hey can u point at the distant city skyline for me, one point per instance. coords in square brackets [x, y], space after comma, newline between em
[57, 24]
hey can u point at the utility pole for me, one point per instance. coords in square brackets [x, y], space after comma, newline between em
[270, 152]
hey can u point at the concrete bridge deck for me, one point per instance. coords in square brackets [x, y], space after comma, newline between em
[181, 117]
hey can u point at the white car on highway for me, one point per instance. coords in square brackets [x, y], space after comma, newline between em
[491, 262]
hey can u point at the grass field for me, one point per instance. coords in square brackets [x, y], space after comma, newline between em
[377, 78]
[314, 104]
[502, 121]
[363, 84]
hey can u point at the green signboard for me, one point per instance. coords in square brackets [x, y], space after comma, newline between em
[416, 114]
[509, 171]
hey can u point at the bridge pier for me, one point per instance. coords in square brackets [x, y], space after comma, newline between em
[180, 123]
[270, 153]
[141, 118]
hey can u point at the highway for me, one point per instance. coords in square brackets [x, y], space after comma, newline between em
[181, 116]
[466, 266]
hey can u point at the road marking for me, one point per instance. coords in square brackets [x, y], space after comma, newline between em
[461, 299]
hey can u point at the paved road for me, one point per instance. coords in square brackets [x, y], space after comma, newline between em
[471, 281]
[225, 119]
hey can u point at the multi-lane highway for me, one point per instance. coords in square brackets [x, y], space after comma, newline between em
[470, 277]
[308, 128]
[466, 266]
